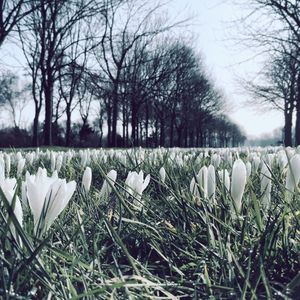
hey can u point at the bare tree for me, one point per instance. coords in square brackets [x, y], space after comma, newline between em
[72, 75]
[85, 96]
[13, 97]
[126, 24]
[12, 12]
[276, 87]
[51, 25]
[281, 40]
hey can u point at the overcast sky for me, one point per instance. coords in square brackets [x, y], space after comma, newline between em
[216, 30]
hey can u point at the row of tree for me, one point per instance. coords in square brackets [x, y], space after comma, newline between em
[278, 84]
[113, 61]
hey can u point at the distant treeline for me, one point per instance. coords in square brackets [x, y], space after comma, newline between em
[119, 66]
[219, 133]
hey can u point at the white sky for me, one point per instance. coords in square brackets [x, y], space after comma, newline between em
[227, 60]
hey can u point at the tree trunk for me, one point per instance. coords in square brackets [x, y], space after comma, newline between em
[179, 136]
[191, 140]
[134, 130]
[137, 132]
[108, 127]
[288, 127]
[100, 131]
[197, 138]
[124, 125]
[172, 130]
[147, 125]
[114, 117]
[35, 131]
[156, 133]
[162, 132]
[127, 130]
[185, 136]
[68, 126]
[140, 140]
[297, 126]
[48, 113]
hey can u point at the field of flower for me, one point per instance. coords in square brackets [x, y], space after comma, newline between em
[150, 224]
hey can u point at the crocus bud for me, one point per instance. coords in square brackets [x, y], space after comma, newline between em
[202, 179]
[106, 187]
[255, 163]
[59, 161]
[20, 167]
[293, 175]
[238, 182]
[228, 157]
[216, 160]
[224, 178]
[193, 188]
[24, 193]
[87, 179]
[53, 160]
[211, 182]
[282, 160]
[29, 158]
[19, 156]
[83, 157]
[7, 163]
[162, 174]
[248, 168]
[2, 169]
[8, 186]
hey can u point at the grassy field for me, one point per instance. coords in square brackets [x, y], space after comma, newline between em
[174, 238]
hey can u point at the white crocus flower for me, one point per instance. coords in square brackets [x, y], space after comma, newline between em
[216, 160]
[282, 160]
[20, 167]
[87, 179]
[211, 182]
[18, 156]
[83, 158]
[193, 188]
[107, 186]
[162, 174]
[8, 186]
[29, 158]
[293, 175]
[53, 160]
[202, 180]
[255, 163]
[224, 178]
[248, 169]
[59, 162]
[47, 197]
[7, 163]
[57, 198]
[135, 185]
[2, 169]
[228, 158]
[24, 193]
[69, 156]
[238, 182]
